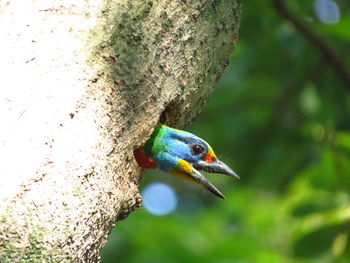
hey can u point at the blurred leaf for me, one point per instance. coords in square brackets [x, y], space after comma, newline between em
[343, 139]
[309, 100]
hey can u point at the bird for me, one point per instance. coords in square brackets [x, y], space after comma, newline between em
[182, 154]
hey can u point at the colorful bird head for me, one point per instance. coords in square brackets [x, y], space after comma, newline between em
[182, 154]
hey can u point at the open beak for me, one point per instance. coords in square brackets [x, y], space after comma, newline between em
[212, 167]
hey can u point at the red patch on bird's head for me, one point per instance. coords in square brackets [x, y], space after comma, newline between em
[143, 160]
[208, 158]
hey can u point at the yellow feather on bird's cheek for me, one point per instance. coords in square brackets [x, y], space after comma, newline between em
[182, 170]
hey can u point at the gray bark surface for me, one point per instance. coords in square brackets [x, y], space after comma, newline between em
[83, 84]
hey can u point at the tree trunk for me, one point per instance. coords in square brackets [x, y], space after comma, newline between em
[83, 83]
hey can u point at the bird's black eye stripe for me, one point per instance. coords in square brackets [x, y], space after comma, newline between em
[197, 149]
[182, 139]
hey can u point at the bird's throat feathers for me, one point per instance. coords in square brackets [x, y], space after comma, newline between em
[182, 170]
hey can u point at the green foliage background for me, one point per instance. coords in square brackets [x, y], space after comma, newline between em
[280, 118]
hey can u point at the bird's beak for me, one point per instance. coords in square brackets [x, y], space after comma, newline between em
[199, 178]
[212, 167]
[215, 167]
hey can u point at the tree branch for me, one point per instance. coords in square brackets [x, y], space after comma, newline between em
[328, 53]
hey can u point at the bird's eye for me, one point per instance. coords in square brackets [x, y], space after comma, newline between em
[197, 149]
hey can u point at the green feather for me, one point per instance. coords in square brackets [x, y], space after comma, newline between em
[154, 143]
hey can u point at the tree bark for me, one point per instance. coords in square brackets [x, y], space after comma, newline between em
[83, 84]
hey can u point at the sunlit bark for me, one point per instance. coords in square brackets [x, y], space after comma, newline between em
[82, 84]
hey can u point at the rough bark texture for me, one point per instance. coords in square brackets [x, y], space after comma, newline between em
[83, 84]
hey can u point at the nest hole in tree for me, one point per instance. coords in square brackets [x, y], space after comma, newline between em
[171, 114]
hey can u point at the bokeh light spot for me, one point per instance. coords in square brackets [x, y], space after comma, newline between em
[327, 11]
[159, 198]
